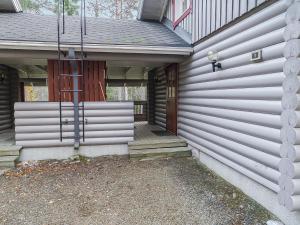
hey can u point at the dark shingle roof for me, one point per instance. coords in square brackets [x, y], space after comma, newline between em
[41, 28]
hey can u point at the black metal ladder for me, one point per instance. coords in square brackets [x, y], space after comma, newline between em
[75, 92]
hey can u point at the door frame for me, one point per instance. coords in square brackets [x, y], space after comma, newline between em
[175, 67]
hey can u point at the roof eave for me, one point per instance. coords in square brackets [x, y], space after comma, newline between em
[47, 46]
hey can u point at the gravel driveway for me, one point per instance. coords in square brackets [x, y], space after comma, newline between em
[119, 191]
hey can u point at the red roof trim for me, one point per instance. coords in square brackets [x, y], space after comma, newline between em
[181, 18]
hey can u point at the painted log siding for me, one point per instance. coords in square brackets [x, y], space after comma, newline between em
[234, 115]
[8, 95]
[209, 15]
[5, 106]
[107, 123]
[289, 166]
[160, 98]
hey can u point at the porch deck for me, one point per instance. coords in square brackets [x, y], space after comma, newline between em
[147, 134]
[152, 142]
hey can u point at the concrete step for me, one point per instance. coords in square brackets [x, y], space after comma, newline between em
[160, 152]
[154, 144]
[10, 150]
[8, 161]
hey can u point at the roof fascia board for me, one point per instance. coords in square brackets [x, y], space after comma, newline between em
[46, 46]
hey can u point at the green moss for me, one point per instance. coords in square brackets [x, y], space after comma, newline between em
[83, 159]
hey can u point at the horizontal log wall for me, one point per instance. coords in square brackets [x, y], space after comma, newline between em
[160, 98]
[5, 106]
[151, 97]
[234, 114]
[8, 95]
[106, 123]
[289, 181]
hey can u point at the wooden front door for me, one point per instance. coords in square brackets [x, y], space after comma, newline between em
[171, 108]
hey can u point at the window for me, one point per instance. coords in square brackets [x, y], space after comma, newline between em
[35, 92]
[181, 9]
[124, 93]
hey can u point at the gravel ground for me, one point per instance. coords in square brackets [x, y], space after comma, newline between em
[119, 191]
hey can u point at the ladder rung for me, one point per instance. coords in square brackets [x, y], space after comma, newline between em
[81, 137]
[70, 75]
[64, 42]
[70, 122]
[71, 106]
[69, 137]
[71, 90]
[71, 59]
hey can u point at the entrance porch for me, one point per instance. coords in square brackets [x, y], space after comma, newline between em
[125, 111]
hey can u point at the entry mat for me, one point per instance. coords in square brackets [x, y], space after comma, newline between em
[161, 133]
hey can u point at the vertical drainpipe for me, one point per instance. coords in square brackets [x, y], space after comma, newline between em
[74, 67]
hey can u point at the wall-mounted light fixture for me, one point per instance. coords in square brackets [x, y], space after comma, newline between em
[213, 57]
[157, 79]
[2, 77]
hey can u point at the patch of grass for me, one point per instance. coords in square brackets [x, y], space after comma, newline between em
[83, 159]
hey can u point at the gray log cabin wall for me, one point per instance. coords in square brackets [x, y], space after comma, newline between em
[107, 123]
[160, 97]
[8, 95]
[151, 97]
[234, 114]
[232, 118]
[289, 167]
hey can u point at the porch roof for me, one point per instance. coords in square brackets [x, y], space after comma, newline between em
[39, 32]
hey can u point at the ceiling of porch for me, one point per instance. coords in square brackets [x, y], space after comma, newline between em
[116, 75]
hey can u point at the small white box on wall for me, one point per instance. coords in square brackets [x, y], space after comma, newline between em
[256, 56]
